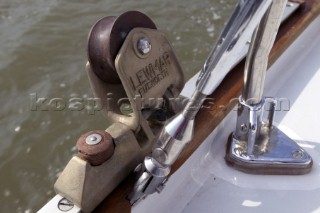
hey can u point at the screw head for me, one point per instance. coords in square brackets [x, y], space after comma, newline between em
[144, 46]
[65, 205]
[93, 139]
[298, 154]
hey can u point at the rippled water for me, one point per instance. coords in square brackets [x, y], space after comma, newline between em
[43, 53]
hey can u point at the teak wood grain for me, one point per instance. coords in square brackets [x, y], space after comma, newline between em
[230, 88]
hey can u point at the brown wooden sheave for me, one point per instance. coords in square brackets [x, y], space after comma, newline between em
[230, 88]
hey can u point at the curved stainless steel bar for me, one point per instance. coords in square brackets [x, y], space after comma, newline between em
[226, 51]
[262, 42]
[256, 68]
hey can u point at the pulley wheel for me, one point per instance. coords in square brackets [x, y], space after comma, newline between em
[106, 38]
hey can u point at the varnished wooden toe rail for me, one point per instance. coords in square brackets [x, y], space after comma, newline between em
[230, 88]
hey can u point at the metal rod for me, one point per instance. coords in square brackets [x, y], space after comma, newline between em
[261, 44]
[231, 42]
[271, 111]
[255, 70]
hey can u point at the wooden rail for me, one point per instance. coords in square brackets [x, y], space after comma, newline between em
[230, 88]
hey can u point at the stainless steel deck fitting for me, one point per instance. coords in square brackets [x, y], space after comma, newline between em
[257, 146]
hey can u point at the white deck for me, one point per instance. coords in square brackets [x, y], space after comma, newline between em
[206, 184]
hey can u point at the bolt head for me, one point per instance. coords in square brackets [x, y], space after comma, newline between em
[144, 46]
[93, 139]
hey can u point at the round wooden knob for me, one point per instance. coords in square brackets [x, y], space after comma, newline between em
[96, 147]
